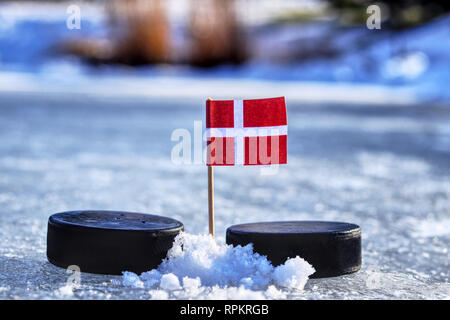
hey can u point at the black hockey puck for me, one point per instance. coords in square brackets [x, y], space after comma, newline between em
[332, 248]
[109, 242]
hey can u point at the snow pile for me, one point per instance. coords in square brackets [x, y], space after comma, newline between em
[292, 273]
[131, 279]
[169, 282]
[198, 266]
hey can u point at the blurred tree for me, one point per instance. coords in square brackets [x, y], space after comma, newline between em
[216, 37]
[140, 30]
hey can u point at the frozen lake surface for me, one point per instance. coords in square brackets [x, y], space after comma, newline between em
[384, 168]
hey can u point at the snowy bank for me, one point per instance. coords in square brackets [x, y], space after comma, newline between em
[191, 88]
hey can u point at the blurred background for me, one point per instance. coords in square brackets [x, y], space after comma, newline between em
[92, 91]
[306, 41]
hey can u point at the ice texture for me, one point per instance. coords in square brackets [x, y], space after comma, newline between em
[200, 260]
[383, 168]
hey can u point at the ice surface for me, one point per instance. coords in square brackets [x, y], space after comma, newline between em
[384, 168]
[199, 260]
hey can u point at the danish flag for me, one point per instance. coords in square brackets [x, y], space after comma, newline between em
[246, 132]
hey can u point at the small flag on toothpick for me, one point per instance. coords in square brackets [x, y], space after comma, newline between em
[244, 132]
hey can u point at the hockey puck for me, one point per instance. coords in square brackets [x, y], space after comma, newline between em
[332, 248]
[109, 242]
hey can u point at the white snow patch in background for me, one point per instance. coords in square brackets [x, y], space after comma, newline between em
[409, 66]
[429, 227]
[219, 271]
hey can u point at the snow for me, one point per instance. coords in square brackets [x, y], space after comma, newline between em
[410, 65]
[130, 279]
[200, 260]
[200, 256]
[170, 282]
[191, 284]
[292, 273]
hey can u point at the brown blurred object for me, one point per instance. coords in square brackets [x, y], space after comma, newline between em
[140, 31]
[94, 51]
[215, 34]
[140, 34]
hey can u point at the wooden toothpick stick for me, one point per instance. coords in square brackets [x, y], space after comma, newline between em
[211, 197]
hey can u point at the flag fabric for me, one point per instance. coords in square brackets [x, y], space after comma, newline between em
[246, 132]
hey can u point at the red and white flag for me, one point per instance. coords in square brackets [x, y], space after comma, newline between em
[246, 132]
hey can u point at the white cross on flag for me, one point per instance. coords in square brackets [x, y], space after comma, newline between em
[246, 132]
